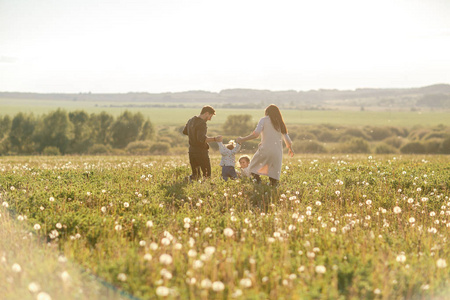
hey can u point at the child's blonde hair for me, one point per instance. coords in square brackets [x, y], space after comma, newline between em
[231, 144]
[246, 157]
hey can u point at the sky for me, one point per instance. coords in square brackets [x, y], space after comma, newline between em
[155, 46]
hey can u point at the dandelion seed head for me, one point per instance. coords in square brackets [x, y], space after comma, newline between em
[34, 287]
[401, 258]
[210, 250]
[206, 283]
[441, 263]
[65, 277]
[43, 296]
[198, 264]
[320, 269]
[16, 268]
[165, 259]
[228, 232]
[162, 291]
[218, 286]
[245, 282]
[122, 277]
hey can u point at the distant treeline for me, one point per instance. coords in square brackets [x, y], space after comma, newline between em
[60, 132]
[77, 132]
[430, 97]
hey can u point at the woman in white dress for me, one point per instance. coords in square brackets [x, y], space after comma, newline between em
[267, 160]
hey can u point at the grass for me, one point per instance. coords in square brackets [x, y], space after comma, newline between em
[32, 269]
[179, 116]
[331, 230]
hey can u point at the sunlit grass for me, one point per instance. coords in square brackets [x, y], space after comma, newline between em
[32, 269]
[336, 227]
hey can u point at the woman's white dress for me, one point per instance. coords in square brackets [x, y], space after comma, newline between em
[267, 160]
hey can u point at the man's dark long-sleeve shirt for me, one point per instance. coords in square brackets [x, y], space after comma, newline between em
[196, 130]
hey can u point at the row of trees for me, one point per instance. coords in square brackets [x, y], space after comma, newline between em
[71, 133]
[60, 132]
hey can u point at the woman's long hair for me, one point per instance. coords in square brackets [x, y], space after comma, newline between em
[276, 118]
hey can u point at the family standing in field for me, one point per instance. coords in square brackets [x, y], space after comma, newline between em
[266, 161]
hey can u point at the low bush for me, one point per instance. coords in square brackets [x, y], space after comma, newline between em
[394, 141]
[310, 147]
[99, 149]
[445, 147]
[139, 147]
[433, 146]
[413, 148]
[384, 148]
[51, 151]
[355, 145]
[379, 133]
[356, 132]
[160, 148]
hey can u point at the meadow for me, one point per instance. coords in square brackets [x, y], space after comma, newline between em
[178, 116]
[337, 227]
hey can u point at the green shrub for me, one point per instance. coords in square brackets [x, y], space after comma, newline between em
[51, 151]
[399, 131]
[394, 141]
[305, 136]
[433, 146]
[435, 135]
[327, 136]
[356, 132]
[138, 147]
[160, 148]
[445, 146]
[413, 148]
[385, 149]
[310, 147]
[355, 145]
[379, 133]
[99, 149]
[418, 135]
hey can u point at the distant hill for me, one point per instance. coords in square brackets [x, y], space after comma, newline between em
[433, 96]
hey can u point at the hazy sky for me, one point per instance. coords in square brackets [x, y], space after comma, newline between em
[111, 46]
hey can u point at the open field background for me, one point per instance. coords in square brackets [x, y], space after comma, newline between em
[178, 116]
[337, 227]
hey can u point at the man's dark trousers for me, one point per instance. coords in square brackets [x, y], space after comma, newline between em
[199, 161]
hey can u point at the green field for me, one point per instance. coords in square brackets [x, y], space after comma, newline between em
[179, 116]
[337, 227]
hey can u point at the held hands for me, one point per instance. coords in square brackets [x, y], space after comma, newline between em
[218, 138]
[239, 140]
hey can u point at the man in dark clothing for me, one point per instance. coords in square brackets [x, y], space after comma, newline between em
[198, 142]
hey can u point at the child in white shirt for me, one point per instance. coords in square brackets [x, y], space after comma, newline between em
[228, 160]
[244, 162]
